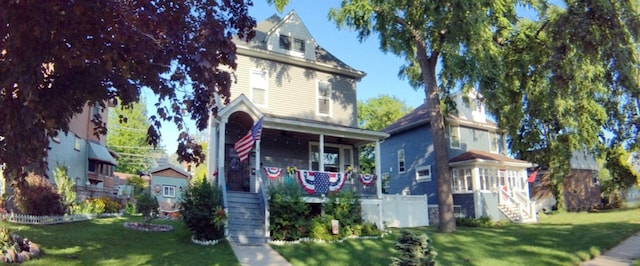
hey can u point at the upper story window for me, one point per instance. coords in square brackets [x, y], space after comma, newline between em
[401, 161]
[454, 137]
[423, 173]
[77, 143]
[324, 98]
[291, 44]
[493, 142]
[259, 81]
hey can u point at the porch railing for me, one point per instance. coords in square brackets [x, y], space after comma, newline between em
[507, 200]
[351, 184]
[529, 207]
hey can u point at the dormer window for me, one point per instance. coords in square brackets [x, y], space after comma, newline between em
[289, 43]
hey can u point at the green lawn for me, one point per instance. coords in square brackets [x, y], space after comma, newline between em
[107, 242]
[559, 239]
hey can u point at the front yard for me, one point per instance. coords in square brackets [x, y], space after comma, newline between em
[559, 239]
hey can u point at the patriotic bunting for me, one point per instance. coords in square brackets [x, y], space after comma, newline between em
[320, 182]
[273, 172]
[367, 179]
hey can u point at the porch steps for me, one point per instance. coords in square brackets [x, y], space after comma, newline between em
[245, 218]
[512, 213]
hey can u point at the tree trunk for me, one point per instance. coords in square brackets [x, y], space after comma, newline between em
[445, 196]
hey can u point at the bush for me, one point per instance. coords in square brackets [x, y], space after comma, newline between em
[288, 212]
[88, 206]
[110, 205]
[370, 229]
[147, 205]
[36, 196]
[473, 222]
[202, 212]
[130, 208]
[345, 207]
[414, 250]
[321, 228]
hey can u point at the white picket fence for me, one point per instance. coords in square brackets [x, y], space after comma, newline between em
[32, 219]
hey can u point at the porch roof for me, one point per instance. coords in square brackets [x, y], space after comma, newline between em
[476, 156]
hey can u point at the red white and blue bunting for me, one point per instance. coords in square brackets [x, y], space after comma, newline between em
[272, 172]
[367, 179]
[321, 182]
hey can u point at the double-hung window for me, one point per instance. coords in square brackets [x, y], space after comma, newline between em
[401, 162]
[493, 142]
[259, 83]
[324, 98]
[169, 191]
[454, 137]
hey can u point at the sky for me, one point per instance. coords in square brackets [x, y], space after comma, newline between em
[381, 69]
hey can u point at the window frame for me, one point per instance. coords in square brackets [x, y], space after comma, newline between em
[457, 136]
[168, 191]
[77, 145]
[344, 160]
[462, 180]
[320, 97]
[402, 162]
[284, 42]
[426, 178]
[494, 143]
[262, 84]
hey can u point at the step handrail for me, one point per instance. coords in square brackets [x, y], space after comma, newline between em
[264, 205]
[506, 196]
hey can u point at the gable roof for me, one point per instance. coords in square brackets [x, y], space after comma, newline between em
[169, 167]
[420, 116]
[475, 156]
[266, 27]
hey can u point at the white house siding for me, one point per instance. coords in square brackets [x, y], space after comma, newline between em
[292, 91]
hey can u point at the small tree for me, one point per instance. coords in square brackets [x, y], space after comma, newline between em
[147, 205]
[38, 197]
[64, 185]
[137, 183]
[414, 250]
[202, 212]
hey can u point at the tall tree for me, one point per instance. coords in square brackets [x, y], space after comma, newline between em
[376, 114]
[127, 136]
[56, 56]
[425, 33]
[567, 81]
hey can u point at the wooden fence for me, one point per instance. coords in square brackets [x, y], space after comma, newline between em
[32, 219]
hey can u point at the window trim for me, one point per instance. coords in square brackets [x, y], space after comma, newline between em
[457, 130]
[320, 97]
[168, 188]
[401, 169]
[253, 84]
[77, 145]
[420, 178]
[291, 48]
[342, 161]
[493, 137]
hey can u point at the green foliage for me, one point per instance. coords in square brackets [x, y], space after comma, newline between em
[321, 229]
[594, 251]
[414, 250]
[139, 184]
[376, 114]
[130, 208]
[65, 185]
[37, 196]
[202, 211]
[344, 206]
[127, 136]
[148, 205]
[288, 212]
[89, 206]
[474, 222]
[110, 205]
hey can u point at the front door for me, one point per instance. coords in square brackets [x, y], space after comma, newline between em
[236, 172]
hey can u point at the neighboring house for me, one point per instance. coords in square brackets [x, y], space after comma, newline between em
[167, 184]
[485, 181]
[90, 163]
[581, 189]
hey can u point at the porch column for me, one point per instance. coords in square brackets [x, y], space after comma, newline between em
[376, 156]
[477, 199]
[321, 151]
[222, 128]
[211, 150]
[255, 179]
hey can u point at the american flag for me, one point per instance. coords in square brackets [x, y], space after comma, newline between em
[322, 182]
[245, 144]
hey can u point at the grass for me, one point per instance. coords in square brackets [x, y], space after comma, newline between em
[558, 239]
[107, 242]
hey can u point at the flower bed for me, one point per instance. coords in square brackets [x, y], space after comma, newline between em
[149, 227]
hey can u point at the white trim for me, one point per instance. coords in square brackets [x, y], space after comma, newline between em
[168, 191]
[457, 128]
[425, 178]
[404, 161]
[493, 137]
[341, 159]
[329, 98]
[255, 84]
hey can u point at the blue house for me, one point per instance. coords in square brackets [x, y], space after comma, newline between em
[485, 181]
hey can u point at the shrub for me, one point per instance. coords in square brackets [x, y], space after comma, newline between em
[64, 184]
[147, 205]
[130, 208]
[345, 207]
[202, 212]
[88, 206]
[36, 196]
[288, 212]
[474, 222]
[370, 229]
[110, 205]
[321, 228]
[594, 251]
[414, 250]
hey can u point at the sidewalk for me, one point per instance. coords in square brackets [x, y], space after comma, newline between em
[262, 255]
[621, 255]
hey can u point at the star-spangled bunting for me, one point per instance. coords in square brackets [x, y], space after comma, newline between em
[367, 179]
[273, 172]
[322, 182]
[245, 144]
[309, 181]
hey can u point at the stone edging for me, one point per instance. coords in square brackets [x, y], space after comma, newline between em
[306, 239]
[205, 242]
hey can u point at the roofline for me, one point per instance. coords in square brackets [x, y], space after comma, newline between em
[524, 164]
[454, 121]
[316, 128]
[269, 55]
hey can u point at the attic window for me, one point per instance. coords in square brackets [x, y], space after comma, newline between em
[287, 41]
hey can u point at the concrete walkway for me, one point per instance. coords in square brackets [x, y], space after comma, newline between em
[621, 255]
[262, 255]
